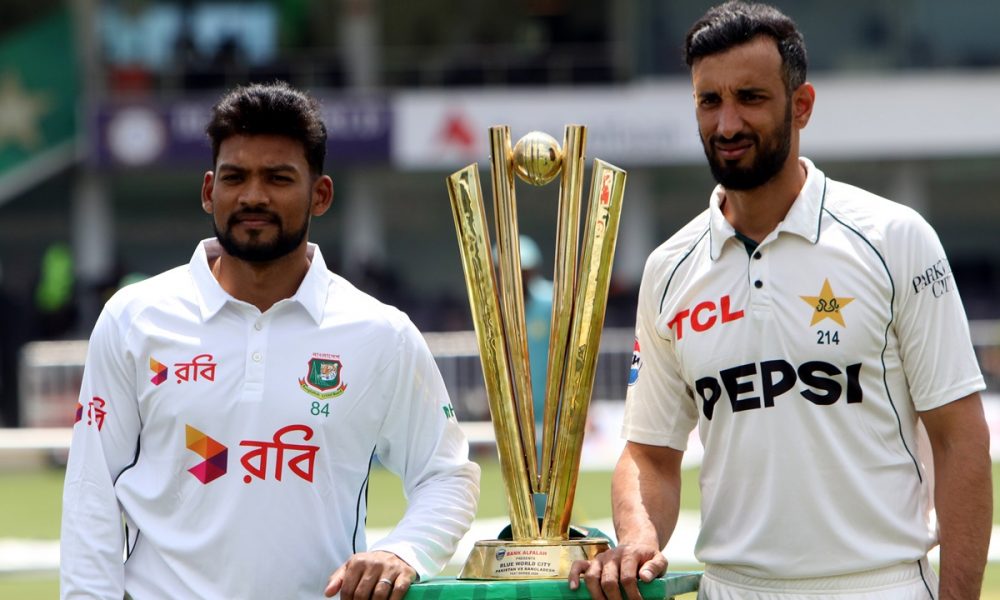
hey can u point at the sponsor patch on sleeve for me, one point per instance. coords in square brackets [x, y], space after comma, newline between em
[633, 372]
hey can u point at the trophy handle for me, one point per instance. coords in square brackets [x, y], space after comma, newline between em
[607, 187]
[470, 224]
[512, 291]
[563, 287]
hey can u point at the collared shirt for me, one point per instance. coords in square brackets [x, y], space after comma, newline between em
[237, 444]
[803, 364]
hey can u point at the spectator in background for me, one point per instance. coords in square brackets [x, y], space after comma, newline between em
[55, 294]
[538, 319]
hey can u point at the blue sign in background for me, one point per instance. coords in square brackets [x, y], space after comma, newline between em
[163, 134]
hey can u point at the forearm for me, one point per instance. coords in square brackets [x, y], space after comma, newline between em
[964, 501]
[92, 540]
[646, 497]
[960, 441]
[439, 513]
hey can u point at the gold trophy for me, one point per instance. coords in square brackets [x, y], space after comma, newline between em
[538, 548]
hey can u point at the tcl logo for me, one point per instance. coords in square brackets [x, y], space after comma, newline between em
[704, 316]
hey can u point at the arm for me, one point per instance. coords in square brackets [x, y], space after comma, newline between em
[421, 442]
[105, 438]
[963, 494]
[645, 497]
[646, 494]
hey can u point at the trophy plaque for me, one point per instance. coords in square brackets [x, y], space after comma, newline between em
[538, 548]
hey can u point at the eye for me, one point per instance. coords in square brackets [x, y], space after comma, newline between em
[708, 100]
[231, 177]
[751, 97]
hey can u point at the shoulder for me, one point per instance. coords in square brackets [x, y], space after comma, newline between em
[878, 219]
[164, 291]
[346, 303]
[669, 255]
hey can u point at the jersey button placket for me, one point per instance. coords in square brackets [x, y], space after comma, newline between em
[760, 283]
[253, 386]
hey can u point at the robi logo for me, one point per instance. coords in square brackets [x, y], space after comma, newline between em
[704, 316]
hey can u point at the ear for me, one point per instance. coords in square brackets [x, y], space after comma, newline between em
[206, 191]
[803, 100]
[322, 195]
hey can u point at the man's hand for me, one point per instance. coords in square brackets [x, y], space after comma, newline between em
[621, 566]
[376, 575]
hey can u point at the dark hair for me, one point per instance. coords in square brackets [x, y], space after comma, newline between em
[737, 22]
[270, 109]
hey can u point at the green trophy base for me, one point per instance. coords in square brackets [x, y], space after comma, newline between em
[447, 588]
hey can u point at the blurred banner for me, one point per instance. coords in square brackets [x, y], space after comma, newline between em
[888, 117]
[164, 134]
[638, 125]
[38, 90]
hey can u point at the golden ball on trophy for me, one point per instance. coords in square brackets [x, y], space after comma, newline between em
[537, 158]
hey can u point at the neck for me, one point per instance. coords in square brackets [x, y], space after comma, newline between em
[262, 284]
[756, 213]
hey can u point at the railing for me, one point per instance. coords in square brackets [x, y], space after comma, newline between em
[50, 372]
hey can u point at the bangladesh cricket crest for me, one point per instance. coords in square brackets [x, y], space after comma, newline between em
[325, 378]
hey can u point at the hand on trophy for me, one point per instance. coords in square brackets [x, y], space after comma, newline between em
[620, 568]
[378, 575]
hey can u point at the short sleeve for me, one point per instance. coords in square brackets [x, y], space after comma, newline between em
[930, 322]
[659, 409]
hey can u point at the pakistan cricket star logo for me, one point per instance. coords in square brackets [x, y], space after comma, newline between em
[325, 377]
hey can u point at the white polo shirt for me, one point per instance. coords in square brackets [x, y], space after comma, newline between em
[803, 365]
[237, 444]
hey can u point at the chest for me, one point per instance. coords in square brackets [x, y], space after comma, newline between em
[794, 316]
[261, 382]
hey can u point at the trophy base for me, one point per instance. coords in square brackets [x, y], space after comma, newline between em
[534, 559]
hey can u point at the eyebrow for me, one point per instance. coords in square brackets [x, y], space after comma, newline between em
[739, 90]
[282, 167]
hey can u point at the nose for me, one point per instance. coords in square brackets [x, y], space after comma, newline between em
[253, 193]
[730, 120]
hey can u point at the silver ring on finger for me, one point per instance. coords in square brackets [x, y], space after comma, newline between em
[388, 582]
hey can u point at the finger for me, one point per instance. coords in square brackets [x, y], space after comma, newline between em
[383, 587]
[610, 581]
[653, 567]
[592, 577]
[627, 576]
[402, 585]
[336, 582]
[358, 581]
[575, 570]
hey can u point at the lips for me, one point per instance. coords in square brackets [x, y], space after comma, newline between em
[253, 219]
[733, 148]
[732, 151]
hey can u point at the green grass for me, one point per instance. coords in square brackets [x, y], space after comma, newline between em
[32, 504]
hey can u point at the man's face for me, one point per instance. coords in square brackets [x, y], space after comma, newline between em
[744, 113]
[261, 196]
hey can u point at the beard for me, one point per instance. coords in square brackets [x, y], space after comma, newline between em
[257, 250]
[771, 156]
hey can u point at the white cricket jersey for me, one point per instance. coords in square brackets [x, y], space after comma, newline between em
[803, 365]
[237, 444]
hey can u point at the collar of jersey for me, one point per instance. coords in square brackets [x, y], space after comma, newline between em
[311, 295]
[803, 218]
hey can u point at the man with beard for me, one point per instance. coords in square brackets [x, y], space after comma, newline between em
[231, 408]
[808, 328]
